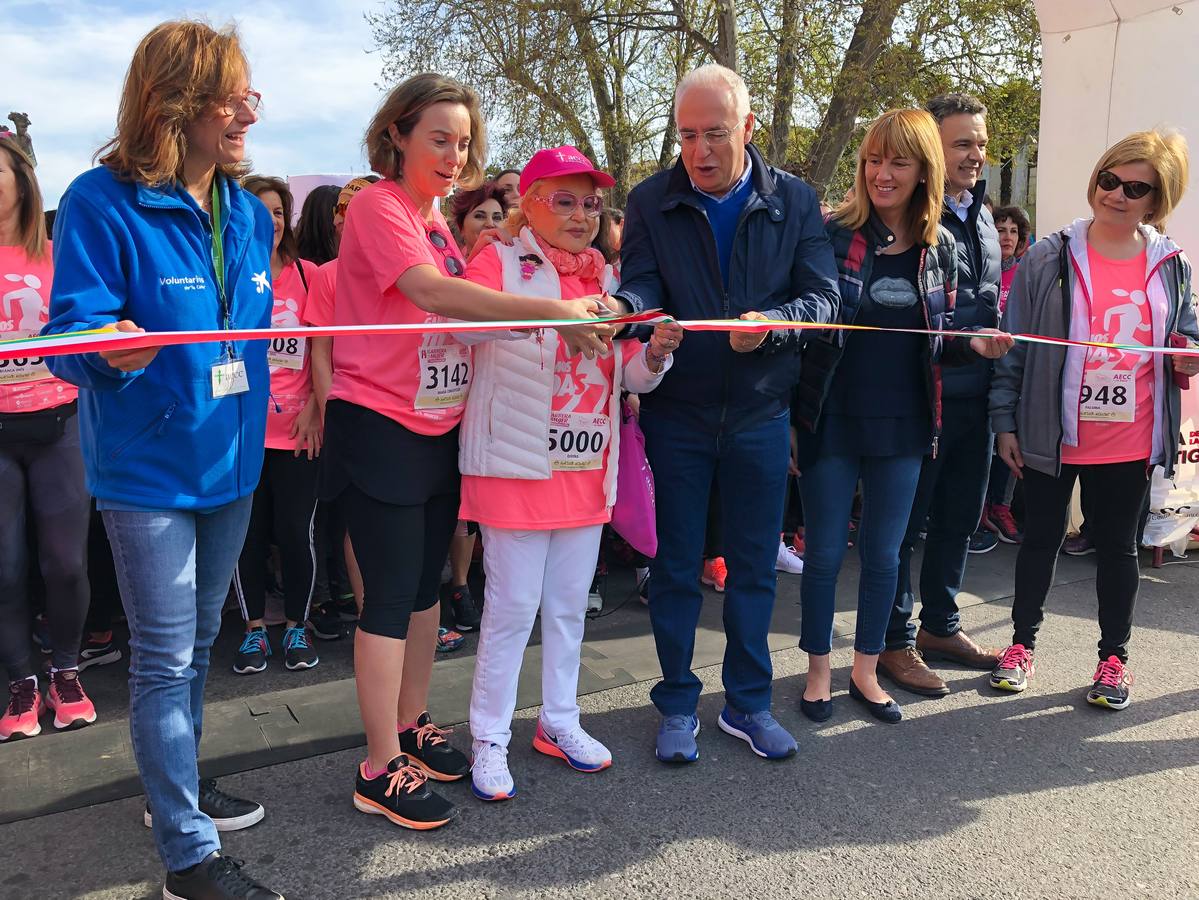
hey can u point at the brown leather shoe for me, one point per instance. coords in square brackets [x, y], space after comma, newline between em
[907, 669]
[958, 648]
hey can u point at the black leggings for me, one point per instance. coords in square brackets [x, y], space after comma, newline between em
[284, 508]
[46, 480]
[401, 551]
[1113, 519]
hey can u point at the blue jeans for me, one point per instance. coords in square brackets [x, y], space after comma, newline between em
[174, 569]
[950, 496]
[750, 468]
[828, 486]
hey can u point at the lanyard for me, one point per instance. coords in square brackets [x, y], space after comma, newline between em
[218, 262]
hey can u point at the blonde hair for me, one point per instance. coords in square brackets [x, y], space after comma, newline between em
[1166, 152]
[403, 108]
[179, 71]
[910, 133]
[31, 220]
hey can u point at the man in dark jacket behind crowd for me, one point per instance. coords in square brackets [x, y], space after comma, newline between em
[721, 235]
[953, 481]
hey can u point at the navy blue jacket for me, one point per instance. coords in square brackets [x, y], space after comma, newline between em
[978, 290]
[782, 266]
[155, 438]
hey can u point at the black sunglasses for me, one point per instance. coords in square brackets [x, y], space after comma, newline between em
[1133, 190]
[453, 264]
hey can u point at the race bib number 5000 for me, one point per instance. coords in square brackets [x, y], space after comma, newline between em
[578, 441]
[1108, 396]
[24, 368]
[444, 376]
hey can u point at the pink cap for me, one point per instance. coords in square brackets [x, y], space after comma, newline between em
[564, 160]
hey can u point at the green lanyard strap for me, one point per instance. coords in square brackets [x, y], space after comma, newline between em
[218, 256]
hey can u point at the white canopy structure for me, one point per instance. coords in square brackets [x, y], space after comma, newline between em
[1112, 67]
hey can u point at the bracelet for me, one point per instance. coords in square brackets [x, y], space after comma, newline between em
[655, 361]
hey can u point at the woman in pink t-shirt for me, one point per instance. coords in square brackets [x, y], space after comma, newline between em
[391, 424]
[41, 472]
[285, 501]
[1101, 416]
[538, 460]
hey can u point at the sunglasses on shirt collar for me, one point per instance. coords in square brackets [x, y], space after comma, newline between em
[453, 264]
[1133, 190]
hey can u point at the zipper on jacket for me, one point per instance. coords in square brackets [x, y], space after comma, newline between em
[930, 378]
[1063, 281]
[160, 421]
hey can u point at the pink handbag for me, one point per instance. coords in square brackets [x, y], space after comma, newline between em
[633, 516]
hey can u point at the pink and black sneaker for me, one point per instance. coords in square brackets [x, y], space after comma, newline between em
[1112, 681]
[1014, 669]
[72, 706]
[20, 719]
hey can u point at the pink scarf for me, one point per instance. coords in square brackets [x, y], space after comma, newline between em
[588, 265]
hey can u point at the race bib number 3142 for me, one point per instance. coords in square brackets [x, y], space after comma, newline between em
[444, 376]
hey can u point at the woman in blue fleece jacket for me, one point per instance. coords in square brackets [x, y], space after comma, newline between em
[162, 237]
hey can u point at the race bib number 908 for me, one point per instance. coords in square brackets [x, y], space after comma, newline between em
[286, 353]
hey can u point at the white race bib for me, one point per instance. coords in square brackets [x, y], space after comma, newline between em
[1108, 396]
[444, 376]
[578, 441]
[24, 368]
[286, 353]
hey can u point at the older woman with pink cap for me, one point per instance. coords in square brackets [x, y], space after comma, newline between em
[538, 456]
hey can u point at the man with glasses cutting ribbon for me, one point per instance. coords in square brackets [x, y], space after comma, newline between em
[722, 235]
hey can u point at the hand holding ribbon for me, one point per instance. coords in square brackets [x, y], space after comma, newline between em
[748, 341]
[129, 360]
[992, 347]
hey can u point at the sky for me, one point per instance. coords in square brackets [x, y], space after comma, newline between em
[63, 63]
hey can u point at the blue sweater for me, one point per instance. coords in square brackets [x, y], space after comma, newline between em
[155, 438]
[723, 216]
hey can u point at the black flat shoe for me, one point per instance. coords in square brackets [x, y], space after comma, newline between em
[889, 712]
[816, 710]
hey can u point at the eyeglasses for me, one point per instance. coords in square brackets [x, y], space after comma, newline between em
[1133, 190]
[713, 137]
[233, 102]
[441, 243]
[564, 203]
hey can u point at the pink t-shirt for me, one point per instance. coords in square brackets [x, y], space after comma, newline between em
[1115, 405]
[291, 370]
[571, 497]
[27, 385]
[420, 381]
[318, 311]
[1005, 286]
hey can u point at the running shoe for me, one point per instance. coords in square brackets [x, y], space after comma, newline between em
[714, 574]
[489, 775]
[325, 623]
[401, 795]
[466, 614]
[71, 704]
[643, 586]
[20, 719]
[997, 517]
[99, 649]
[298, 652]
[448, 641]
[1014, 669]
[1112, 681]
[218, 877]
[982, 541]
[765, 736]
[251, 655]
[788, 560]
[676, 739]
[1079, 545]
[427, 747]
[228, 813]
[581, 751]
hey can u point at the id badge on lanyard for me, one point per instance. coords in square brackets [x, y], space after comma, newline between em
[227, 374]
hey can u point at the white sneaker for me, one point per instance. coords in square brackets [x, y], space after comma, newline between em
[595, 600]
[580, 750]
[788, 560]
[489, 775]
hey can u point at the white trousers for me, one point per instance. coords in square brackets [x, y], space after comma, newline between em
[525, 570]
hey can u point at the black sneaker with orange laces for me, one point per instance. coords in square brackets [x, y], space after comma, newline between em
[427, 747]
[403, 797]
[1112, 681]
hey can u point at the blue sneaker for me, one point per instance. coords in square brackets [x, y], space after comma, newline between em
[676, 739]
[251, 655]
[765, 736]
[298, 652]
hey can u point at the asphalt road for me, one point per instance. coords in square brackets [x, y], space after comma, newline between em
[976, 795]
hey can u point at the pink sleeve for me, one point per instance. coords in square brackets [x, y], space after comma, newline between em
[486, 269]
[318, 308]
[388, 241]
